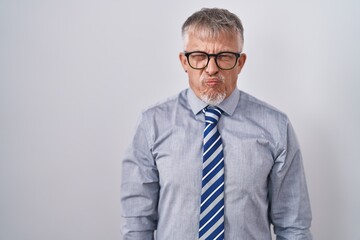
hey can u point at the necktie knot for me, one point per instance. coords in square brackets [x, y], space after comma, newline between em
[212, 114]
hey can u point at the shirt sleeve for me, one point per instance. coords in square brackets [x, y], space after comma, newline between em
[290, 211]
[139, 188]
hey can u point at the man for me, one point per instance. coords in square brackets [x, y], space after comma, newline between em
[214, 162]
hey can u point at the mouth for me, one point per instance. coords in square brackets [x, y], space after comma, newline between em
[211, 82]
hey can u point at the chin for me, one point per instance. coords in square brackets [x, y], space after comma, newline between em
[214, 98]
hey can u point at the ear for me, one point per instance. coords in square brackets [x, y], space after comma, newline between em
[241, 62]
[183, 61]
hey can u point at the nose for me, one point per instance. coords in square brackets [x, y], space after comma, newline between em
[212, 68]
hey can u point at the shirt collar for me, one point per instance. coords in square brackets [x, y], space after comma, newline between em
[228, 105]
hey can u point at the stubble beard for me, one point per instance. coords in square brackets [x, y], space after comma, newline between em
[213, 95]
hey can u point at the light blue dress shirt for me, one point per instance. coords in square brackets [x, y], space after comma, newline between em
[264, 175]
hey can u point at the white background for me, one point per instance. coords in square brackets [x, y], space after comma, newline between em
[74, 76]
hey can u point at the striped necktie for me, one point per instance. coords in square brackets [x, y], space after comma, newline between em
[212, 193]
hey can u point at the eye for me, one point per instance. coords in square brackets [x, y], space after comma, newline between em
[198, 56]
[226, 57]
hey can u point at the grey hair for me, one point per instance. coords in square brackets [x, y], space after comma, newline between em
[211, 22]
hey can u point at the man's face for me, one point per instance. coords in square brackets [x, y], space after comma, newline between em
[212, 84]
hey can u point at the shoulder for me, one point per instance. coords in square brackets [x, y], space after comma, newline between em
[164, 109]
[263, 118]
[252, 101]
[252, 106]
[165, 104]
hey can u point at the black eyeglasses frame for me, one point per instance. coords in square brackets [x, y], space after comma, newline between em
[209, 55]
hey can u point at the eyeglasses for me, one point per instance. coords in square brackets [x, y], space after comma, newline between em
[224, 60]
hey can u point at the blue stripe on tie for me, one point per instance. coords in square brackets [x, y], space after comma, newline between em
[212, 222]
[214, 169]
[211, 140]
[216, 234]
[209, 128]
[211, 198]
[212, 212]
[215, 161]
[212, 150]
[209, 195]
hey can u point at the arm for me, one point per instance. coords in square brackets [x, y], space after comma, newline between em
[290, 211]
[139, 188]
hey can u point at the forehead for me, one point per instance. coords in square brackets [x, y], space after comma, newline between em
[205, 32]
[207, 41]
